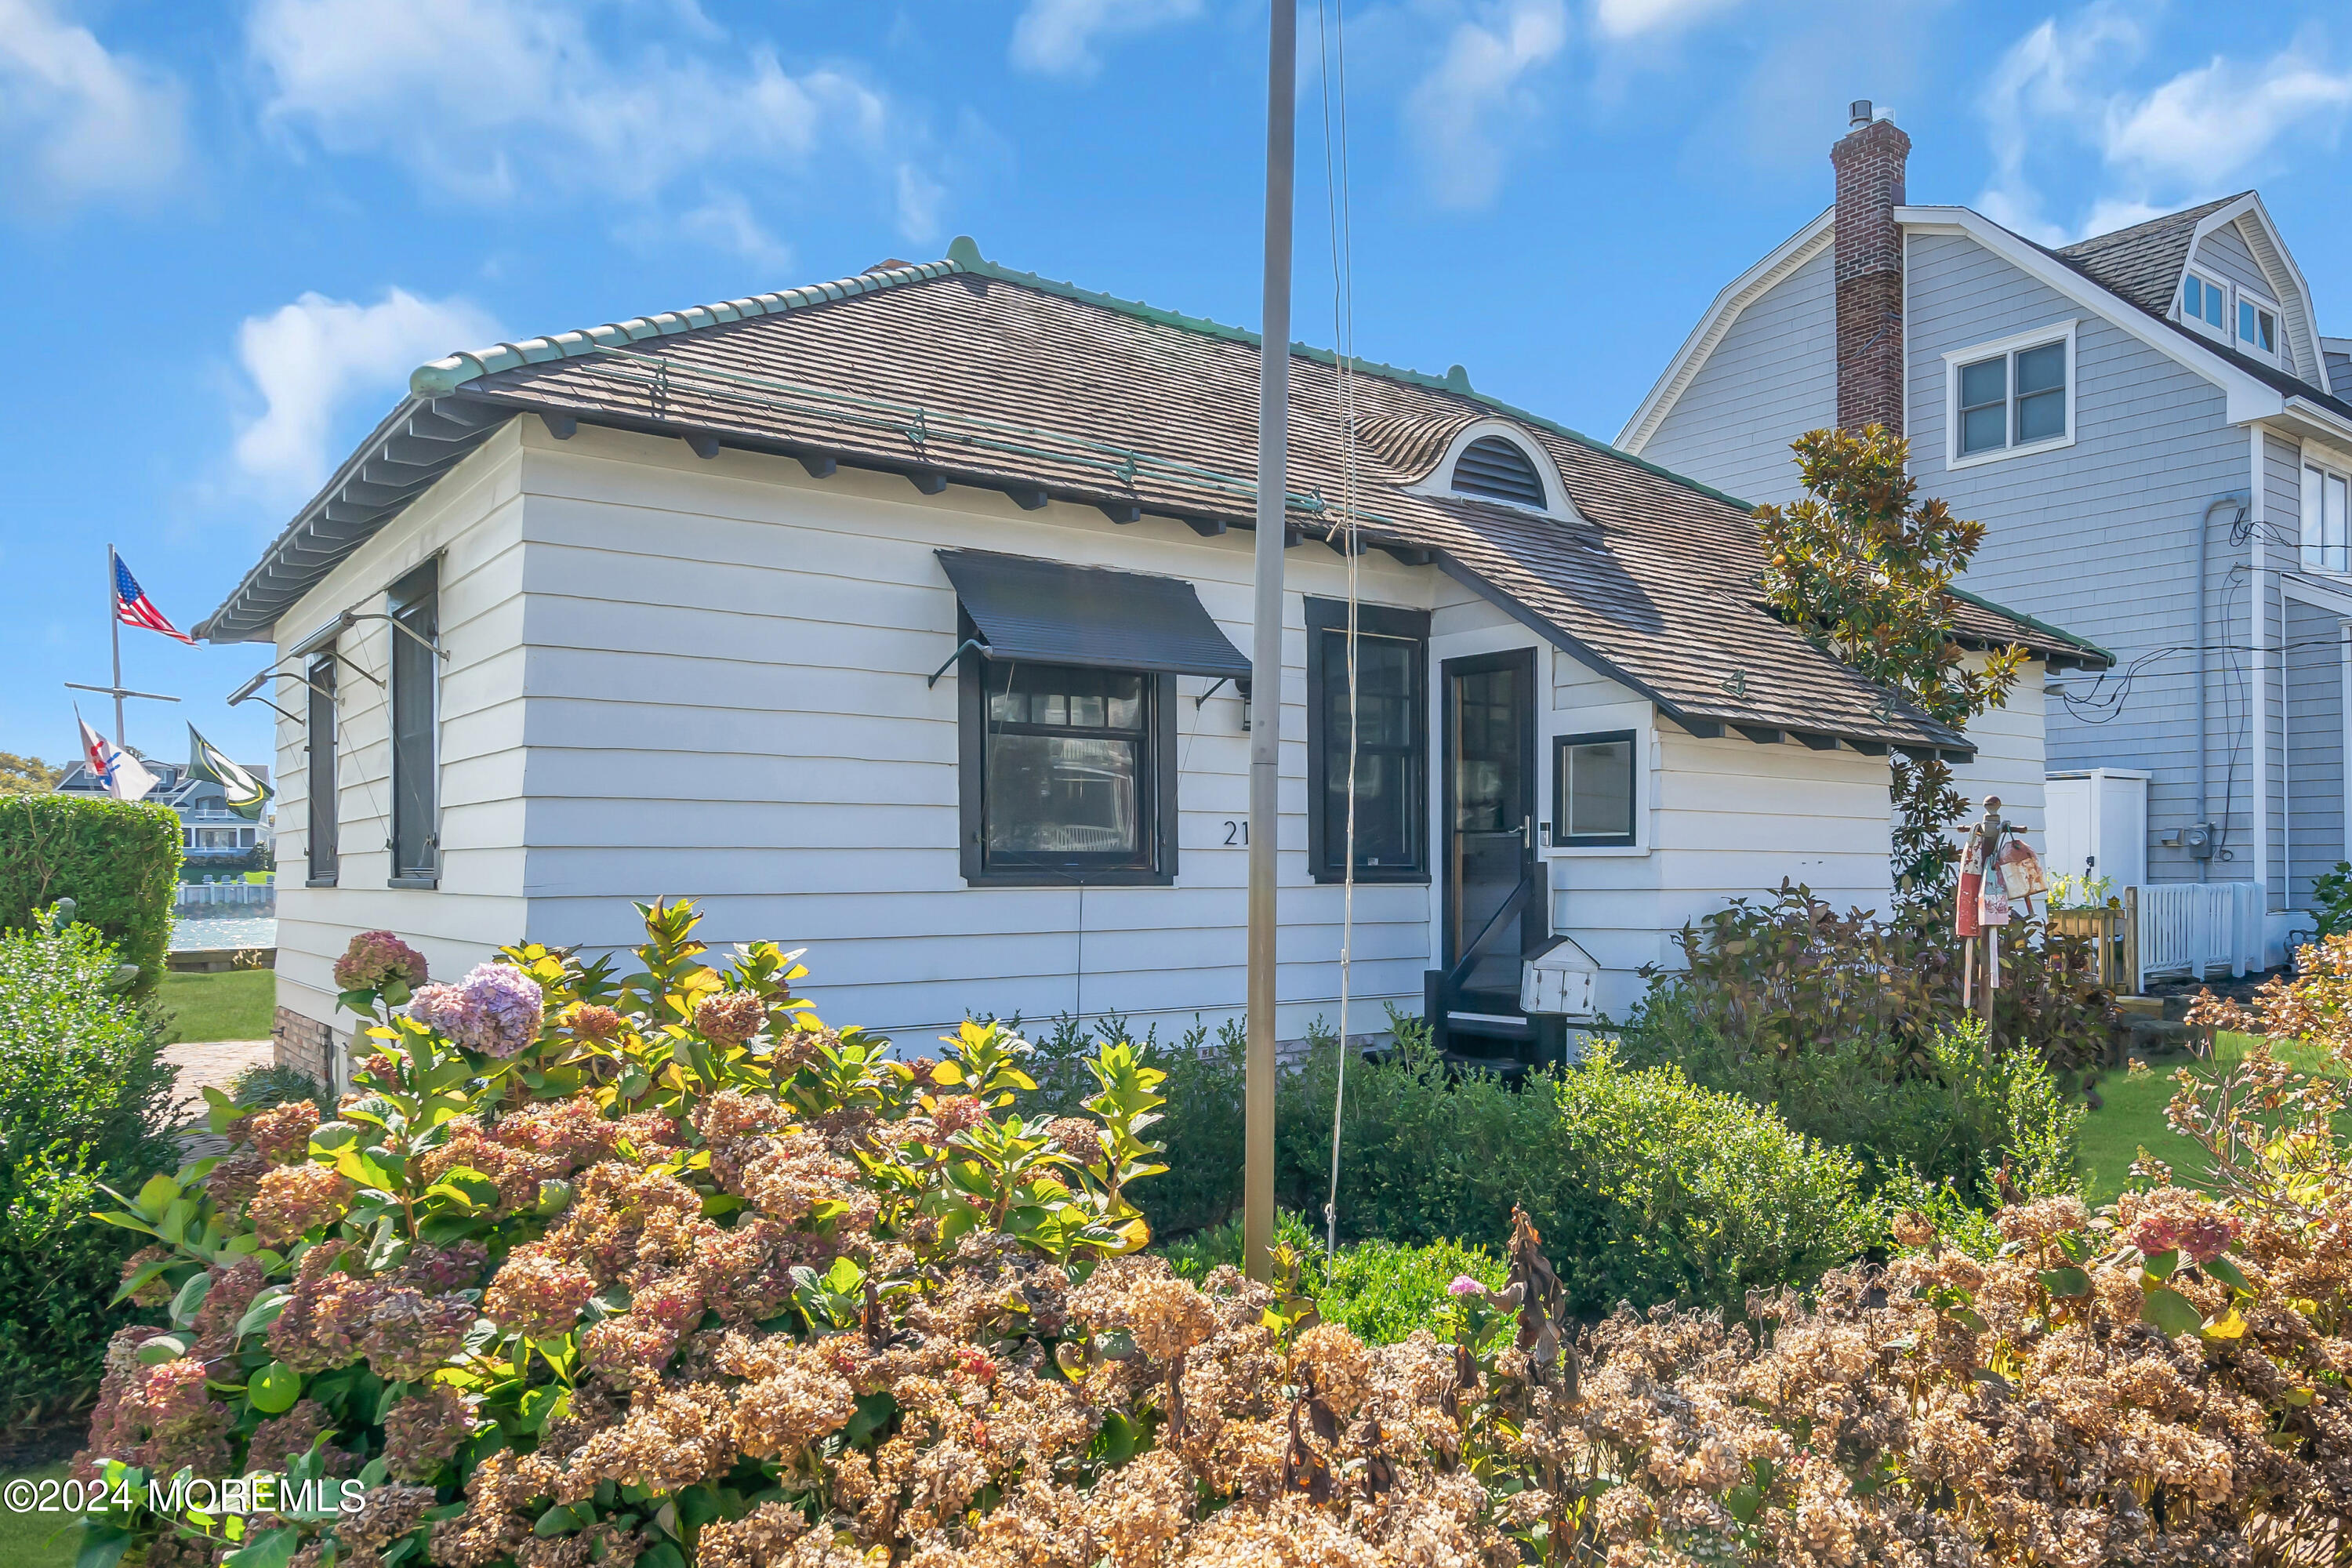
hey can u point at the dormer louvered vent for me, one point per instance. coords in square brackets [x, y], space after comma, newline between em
[1499, 469]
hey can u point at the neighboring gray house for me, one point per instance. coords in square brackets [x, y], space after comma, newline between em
[2155, 435]
[216, 841]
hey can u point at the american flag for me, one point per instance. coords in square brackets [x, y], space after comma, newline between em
[133, 607]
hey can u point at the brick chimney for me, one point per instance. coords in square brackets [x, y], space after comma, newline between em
[1869, 162]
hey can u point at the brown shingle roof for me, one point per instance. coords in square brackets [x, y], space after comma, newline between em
[968, 370]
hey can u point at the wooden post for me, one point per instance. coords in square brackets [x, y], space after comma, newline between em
[2131, 944]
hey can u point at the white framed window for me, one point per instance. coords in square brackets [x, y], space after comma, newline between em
[2205, 302]
[2257, 325]
[2325, 495]
[2011, 396]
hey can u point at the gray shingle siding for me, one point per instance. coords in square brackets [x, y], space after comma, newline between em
[1772, 378]
[2314, 657]
[2101, 536]
[2224, 252]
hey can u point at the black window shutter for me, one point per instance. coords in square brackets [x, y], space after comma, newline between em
[416, 608]
[321, 789]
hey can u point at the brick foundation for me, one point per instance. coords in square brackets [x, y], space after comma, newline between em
[308, 1045]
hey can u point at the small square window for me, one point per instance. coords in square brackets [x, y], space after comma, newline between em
[1592, 790]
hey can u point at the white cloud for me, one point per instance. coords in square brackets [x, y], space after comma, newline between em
[2210, 125]
[1635, 18]
[311, 359]
[1057, 38]
[1459, 115]
[490, 100]
[2062, 89]
[726, 222]
[77, 123]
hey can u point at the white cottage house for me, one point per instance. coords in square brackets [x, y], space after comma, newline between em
[898, 617]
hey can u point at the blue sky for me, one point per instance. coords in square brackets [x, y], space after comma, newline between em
[227, 231]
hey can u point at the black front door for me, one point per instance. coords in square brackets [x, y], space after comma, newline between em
[1493, 886]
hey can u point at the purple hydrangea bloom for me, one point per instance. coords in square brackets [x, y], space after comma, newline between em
[447, 1008]
[1463, 1285]
[508, 1008]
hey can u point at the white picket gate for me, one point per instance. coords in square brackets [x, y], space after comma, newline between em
[2197, 927]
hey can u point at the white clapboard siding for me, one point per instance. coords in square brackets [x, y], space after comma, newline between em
[709, 681]
[474, 518]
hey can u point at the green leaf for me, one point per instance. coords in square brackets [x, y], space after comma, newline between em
[873, 1412]
[262, 1312]
[274, 1389]
[561, 1520]
[159, 1349]
[540, 1406]
[2229, 1274]
[102, 1546]
[191, 1297]
[661, 1554]
[2171, 1311]
[2162, 1263]
[2066, 1281]
[156, 1197]
[274, 1550]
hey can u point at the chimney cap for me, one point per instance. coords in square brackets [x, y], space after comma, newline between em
[1858, 114]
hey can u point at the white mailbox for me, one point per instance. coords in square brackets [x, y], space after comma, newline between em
[1557, 982]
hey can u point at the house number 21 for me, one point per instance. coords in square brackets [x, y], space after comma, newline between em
[1236, 832]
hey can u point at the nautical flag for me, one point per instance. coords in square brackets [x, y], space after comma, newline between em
[246, 793]
[125, 777]
[133, 607]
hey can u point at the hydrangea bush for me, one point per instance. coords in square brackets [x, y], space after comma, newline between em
[688, 1277]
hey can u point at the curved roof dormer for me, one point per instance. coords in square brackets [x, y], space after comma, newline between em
[1497, 463]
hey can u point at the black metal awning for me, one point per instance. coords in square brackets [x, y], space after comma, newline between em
[1054, 613]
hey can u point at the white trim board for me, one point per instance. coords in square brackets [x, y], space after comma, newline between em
[2061, 330]
[2297, 319]
[1724, 311]
[2248, 397]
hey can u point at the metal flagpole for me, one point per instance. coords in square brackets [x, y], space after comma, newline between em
[114, 624]
[1265, 645]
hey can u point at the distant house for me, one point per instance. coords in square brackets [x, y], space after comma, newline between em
[901, 616]
[214, 839]
[2157, 438]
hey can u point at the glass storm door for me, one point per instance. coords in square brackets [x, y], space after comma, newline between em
[1493, 908]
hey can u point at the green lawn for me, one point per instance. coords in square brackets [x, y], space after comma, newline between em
[24, 1537]
[2133, 1117]
[237, 1005]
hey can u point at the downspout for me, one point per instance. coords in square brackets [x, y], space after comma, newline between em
[2241, 500]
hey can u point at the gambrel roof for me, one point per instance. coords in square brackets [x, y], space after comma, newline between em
[965, 372]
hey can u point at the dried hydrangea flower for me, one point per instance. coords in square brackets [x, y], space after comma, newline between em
[592, 1021]
[293, 1199]
[424, 1428]
[954, 1113]
[409, 1334]
[282, 1132]
[1078, 1137]
[374, 958]
[730, 1017]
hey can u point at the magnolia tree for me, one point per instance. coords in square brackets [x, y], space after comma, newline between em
[659, 1270]
[1864, 569]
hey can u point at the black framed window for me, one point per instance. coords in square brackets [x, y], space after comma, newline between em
[415, 601]
[320, 739]
[1392, 742]
[1592, 793]
[1068, 775]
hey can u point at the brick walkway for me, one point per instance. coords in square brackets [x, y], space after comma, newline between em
[202, 1063]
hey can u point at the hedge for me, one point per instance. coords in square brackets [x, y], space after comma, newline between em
[118, 860]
